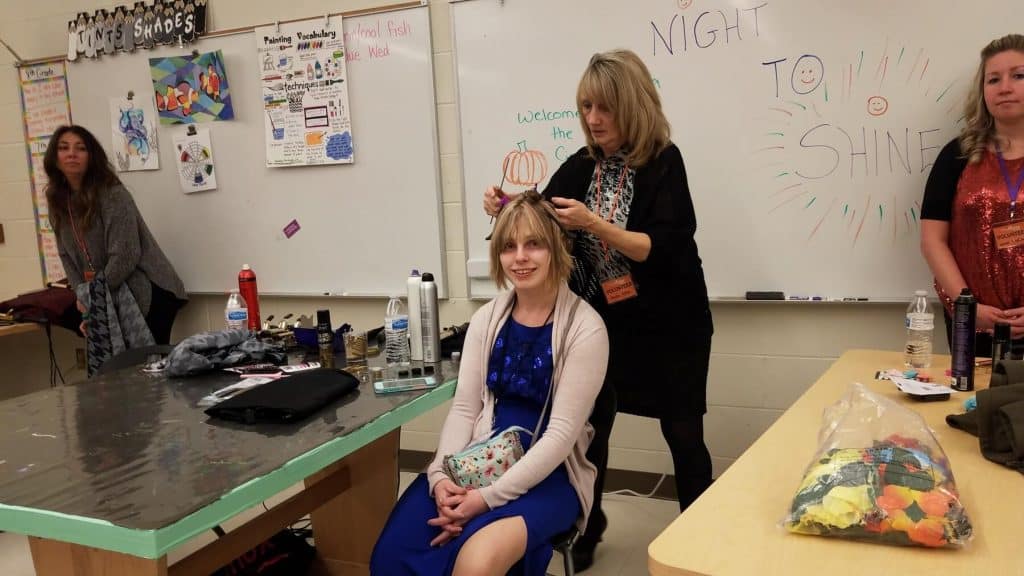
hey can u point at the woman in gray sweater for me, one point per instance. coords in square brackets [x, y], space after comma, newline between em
[99, 230]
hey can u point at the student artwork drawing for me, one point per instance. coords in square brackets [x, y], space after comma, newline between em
[192, 88]
[133, 134]
[193, 155]
[305, 93]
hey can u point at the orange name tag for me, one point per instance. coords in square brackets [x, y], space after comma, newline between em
[89, 275]
[619, 289]
[1009, 234]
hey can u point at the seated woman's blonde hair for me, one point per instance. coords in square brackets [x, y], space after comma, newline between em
[530, 216]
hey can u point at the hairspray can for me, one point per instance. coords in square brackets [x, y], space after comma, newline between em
[412, 286]
[325, 338]
[965, 312]
[247, 288]
[429, 322]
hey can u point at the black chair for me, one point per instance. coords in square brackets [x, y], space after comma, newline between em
[562, 543]
[133, 357]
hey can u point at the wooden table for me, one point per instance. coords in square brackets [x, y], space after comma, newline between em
[734, 527]
[20, 328]
[107, 476]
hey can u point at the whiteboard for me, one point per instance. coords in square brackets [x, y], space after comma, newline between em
[803, 180]
[363, 226]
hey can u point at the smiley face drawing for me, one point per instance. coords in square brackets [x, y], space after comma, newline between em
[684, 4]
[808, 72]
[877, 105]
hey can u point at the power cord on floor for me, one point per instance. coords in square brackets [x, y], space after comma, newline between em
[628, 492]
[54, 366]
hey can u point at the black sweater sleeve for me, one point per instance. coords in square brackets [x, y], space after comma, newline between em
[671, 221]
[940, 190]
[570, 180]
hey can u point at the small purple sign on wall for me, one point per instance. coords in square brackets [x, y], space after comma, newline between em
[291, 228]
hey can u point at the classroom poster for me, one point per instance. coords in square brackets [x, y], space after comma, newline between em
[193, 155]
[133, 134]
[305, 93]
[45, 107]
[191, 88]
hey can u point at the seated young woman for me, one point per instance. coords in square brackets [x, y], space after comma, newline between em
[534, 357]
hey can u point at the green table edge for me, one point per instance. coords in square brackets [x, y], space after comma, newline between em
[156, 543]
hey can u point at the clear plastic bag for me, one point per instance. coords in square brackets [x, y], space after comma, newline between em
[879, 475]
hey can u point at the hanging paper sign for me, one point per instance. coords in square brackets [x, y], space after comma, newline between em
[45, 107]
[305, 93]
[134, 145]
[191, 88]
[194, 158]
[125, 29]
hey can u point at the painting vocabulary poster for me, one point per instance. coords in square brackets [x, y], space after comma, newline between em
[305, 93]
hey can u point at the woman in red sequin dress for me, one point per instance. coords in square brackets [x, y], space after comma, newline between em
[971, 207]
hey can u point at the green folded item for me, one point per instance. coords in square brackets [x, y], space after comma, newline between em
[998, 421]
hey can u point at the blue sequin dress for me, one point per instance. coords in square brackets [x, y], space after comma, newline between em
[519, 375]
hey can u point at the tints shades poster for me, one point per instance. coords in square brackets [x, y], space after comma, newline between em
[305, 93]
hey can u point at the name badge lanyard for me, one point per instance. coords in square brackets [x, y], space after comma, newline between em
[615, 201]
[81, 242]
[1011, 188]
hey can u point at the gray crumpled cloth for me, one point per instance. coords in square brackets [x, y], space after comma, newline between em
[208, 351]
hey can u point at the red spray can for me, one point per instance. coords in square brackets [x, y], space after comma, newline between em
[247, 288]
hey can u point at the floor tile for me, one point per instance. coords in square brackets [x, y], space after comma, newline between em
[632, 524]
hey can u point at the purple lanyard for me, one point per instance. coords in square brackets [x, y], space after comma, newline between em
[1011, 189]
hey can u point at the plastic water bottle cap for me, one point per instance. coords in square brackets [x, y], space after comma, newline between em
[414, 272]
[246, 267]
[920, 293]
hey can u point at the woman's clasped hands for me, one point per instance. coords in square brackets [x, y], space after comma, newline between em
[455, 506]
[989, 315]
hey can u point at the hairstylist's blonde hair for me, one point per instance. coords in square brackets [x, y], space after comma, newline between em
[979, 127]
[620, 81]
[530, 216]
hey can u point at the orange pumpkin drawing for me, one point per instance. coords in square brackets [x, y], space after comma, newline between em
[525, 167]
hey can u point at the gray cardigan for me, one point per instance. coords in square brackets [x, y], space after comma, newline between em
[121, 245]
[577, 380]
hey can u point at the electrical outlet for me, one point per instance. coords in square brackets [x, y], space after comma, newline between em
[80, 362]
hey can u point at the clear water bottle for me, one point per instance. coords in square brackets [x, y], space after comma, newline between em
[396, 333]
[920, 324]
[236, 313]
